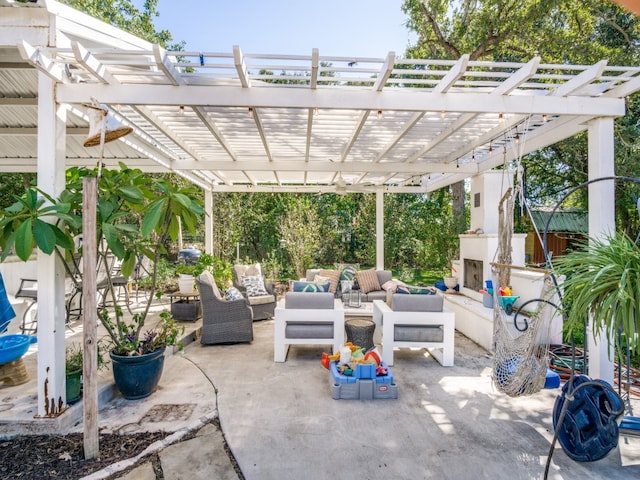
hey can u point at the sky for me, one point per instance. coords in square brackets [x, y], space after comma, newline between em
[352, 28]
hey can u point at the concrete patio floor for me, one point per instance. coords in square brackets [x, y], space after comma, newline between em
[280, 420]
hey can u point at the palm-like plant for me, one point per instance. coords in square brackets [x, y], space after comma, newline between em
[603, 281]
[136, 215]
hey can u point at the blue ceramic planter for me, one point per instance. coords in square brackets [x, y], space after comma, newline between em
[137, 377]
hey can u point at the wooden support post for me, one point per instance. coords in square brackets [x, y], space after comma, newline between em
[90, 319]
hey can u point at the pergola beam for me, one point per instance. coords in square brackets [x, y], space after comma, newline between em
[405, 100]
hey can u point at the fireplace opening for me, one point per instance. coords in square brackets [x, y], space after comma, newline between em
[473, 274]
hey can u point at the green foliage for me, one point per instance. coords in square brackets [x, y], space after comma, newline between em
[135, 215]
[602, 282]
[124, 15]
[299, 232]
[74, 357]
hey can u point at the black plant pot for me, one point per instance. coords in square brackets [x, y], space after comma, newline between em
[137, 377]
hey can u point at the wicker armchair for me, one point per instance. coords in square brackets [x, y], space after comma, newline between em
[223, 321]
[263, 306]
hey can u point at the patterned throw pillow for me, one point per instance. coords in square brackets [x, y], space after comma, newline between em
[410, 289]
[347, 272]
[310, 287]
[368, 281]
[232, 293]
[334, 278]
[254, 286]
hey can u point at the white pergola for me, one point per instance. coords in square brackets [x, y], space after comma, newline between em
[242, 122]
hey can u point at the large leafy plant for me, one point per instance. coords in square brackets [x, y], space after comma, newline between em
[136, 215]
[603, 281]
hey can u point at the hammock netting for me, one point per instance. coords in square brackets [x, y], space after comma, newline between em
[521, 347]
[520, 341]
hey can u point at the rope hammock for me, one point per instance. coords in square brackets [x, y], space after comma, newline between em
[521, 348]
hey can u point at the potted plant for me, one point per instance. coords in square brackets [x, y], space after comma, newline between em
[602, 278]
[186, 277]
[73, 370]
[136, 215]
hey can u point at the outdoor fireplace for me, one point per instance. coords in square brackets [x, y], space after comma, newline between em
[473, 274]
[478, 246]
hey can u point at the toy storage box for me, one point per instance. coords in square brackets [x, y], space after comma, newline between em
[363, 384]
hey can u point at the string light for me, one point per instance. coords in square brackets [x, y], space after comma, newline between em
[379, 114]
[500, 116]
[473, 155]
[181, 110]
[544, 118]
[457, 164]
[250, 112]
[315, 112]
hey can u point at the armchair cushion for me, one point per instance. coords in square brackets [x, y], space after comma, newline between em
[368, 280]
[418, 333]
[261, 299]
[247, 270]
[417, 303]
[308, 300]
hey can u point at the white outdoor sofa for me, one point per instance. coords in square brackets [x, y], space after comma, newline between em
[313, 318]
[418, 321]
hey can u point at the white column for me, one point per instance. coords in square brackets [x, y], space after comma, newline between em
[51, 312]
[208, 222]
[601, 222]
[379, 229]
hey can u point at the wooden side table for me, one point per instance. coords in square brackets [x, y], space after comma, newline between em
[185, 306]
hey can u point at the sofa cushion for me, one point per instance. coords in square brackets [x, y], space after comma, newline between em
[375, 295]
[308, 330]
[368, 280]
[334, 278]
[418, 333]
[417, 303]
[306, 300]
[254, 285]
[384, 276]
[309, 287]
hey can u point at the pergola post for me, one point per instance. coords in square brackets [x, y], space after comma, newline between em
[208, 222]
[379, 229]
[51, 309]
[601, 222]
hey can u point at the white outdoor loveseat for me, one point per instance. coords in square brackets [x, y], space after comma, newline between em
[314, 318]
[418, 321]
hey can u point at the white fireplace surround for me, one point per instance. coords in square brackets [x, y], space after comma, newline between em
[483, 247]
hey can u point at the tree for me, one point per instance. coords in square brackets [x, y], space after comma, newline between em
[299, 232]
[573, 31]
[124, 15]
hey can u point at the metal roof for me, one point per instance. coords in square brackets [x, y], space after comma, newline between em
[236, 121]
[564, 221]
